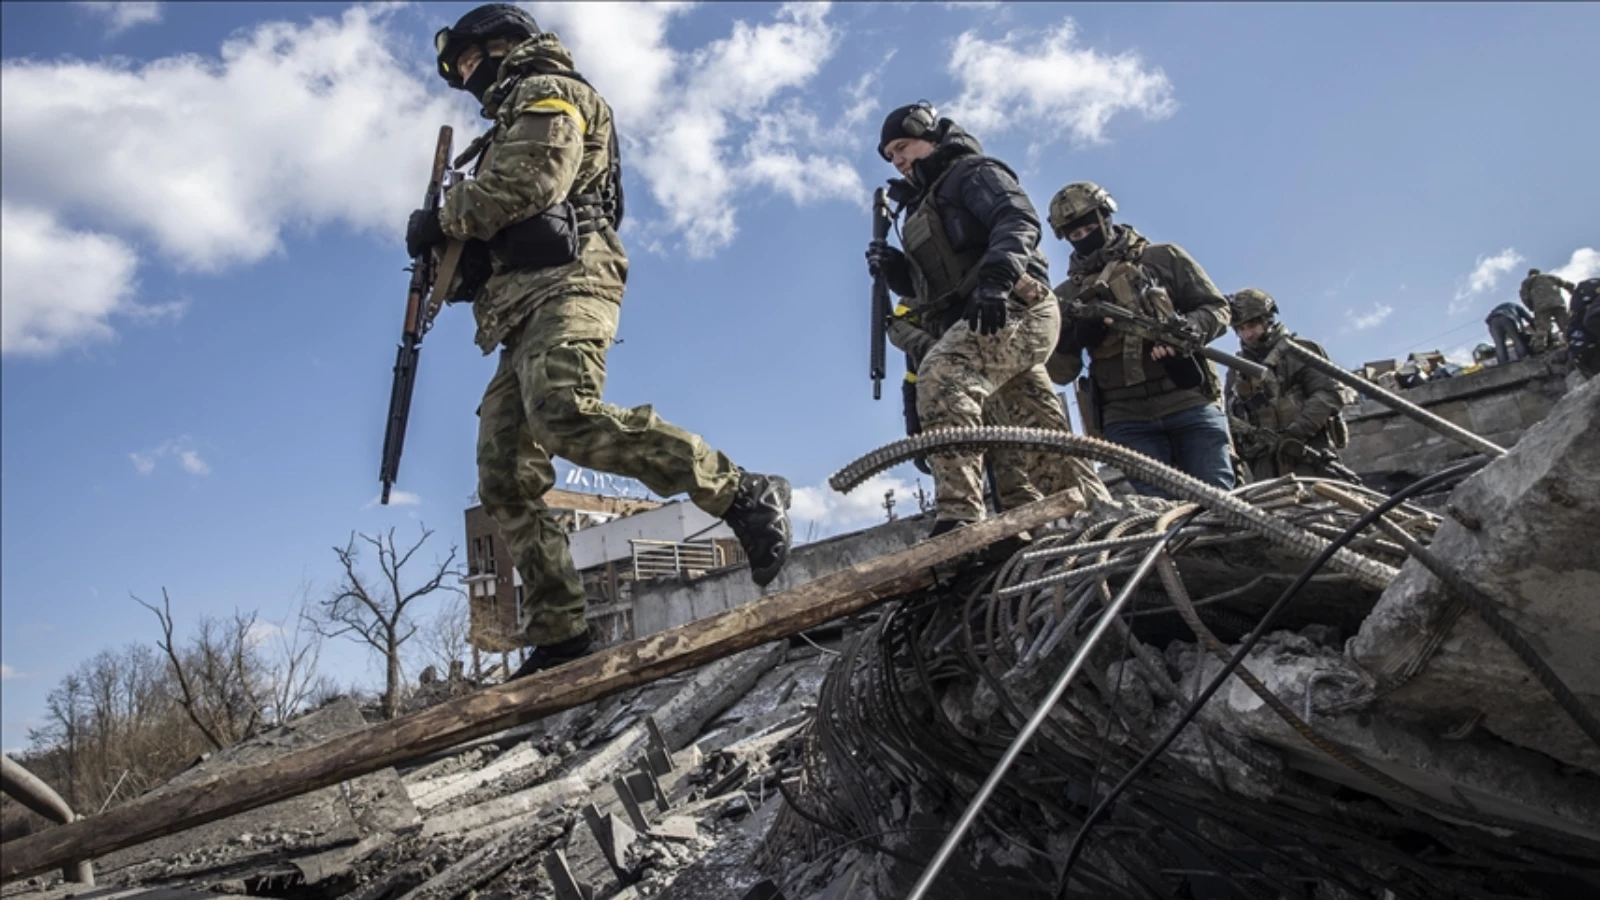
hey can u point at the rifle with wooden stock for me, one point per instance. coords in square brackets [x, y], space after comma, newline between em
[431, 274]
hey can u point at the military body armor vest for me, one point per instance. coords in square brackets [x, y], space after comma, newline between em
[1267, 402]
[940, 274]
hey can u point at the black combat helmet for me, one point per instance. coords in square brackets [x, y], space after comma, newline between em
[481, 25]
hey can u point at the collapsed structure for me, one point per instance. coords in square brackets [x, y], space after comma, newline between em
[1414, 716]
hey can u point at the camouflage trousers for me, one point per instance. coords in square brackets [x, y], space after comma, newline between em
[543, 402]
[969, 379]
[1543, 319]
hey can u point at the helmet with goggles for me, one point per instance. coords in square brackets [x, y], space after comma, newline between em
[478, 27]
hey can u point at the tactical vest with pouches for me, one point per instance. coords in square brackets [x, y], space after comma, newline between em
[1268, 403]
[552, 237]
[941, 275]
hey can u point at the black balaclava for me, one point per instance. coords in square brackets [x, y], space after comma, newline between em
[484, 76]
[1095, 239]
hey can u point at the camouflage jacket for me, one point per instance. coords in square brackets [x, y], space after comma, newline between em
[1193, 295]
[1293, 400]
[1543, 291]
[550, 140]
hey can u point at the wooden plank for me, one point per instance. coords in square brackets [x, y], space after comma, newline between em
[493, 709]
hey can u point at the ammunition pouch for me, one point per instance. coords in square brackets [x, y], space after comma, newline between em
[550, 238]
[1186, 372]
[472, 272]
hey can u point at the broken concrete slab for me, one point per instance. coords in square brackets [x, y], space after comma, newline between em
[1531, 538]
[374, 804]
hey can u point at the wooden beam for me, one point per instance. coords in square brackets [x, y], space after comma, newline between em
[493, 709]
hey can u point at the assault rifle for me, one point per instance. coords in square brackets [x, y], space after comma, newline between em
[881, 219]
[1174, 332]
[431, 274]
[1328, 462]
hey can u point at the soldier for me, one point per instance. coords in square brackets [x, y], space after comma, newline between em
[1149, 397]
[975, 282]
[547, 199]
[1508, 322]
[1583, 331]
[1542, 294]
[1276, 419]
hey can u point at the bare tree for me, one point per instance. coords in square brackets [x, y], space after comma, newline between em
[221, 682]
[376, 611]
[297, 654]
[446, 637]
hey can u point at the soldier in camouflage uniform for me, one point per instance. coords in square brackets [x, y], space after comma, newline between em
[1541, 292]
[1146, 396]
[546, 202]
[1020, 476]
[1275, 419]
[974, 280]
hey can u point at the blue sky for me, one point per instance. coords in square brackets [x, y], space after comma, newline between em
[203, 206]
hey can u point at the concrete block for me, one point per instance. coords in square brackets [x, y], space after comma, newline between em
[1494, 413]
[1453, 411]
[1538, 553]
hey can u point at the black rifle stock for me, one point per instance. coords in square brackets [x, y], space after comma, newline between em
[430, 277]
[881, 218]
[1174, 332]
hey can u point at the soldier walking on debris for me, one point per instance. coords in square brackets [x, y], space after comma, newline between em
[1146, 396]
[546, 200]
[1541, 292]
[979, 320]
[1284, 423]
[1509, 322]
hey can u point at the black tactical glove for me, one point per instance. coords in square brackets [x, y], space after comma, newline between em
[1088, 332]
[881, 258]
[986, 309]
[1291, 448]
[423, 232]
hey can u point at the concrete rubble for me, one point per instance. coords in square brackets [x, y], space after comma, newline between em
[828, 766]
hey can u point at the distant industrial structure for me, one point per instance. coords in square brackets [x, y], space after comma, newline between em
[615, 542]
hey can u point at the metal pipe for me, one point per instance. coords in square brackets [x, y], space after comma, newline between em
[1393, 401]
[27, 789]
[970, 815]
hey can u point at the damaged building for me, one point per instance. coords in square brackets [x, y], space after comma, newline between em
[1300, 689]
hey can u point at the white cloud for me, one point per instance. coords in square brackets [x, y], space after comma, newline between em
[61, 286]
[180, 448]
[1483, 278]
[7, 672]
[212, 158]
[261, 633]
[1364, 321]
[120, 15]
[1585, 263]
[396, 498]
[1049, 85]
[825, 511]
[705, 125]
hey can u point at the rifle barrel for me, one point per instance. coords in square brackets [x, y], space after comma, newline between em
[1222, 357]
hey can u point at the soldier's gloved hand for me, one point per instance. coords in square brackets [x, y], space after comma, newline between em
[881, 258]
[1291, 448]
[986, 309]
[423, 232]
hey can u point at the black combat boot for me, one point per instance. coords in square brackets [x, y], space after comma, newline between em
[759, 517]
[548, 656]
[945, 526]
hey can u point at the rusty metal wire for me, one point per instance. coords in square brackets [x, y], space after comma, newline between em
[921, 704]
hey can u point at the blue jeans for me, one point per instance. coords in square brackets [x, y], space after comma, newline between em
[1194, 441]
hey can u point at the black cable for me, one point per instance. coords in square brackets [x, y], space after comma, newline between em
[1248, 644]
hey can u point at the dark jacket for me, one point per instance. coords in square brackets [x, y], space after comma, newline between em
[1518, 316]
[983, 209]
